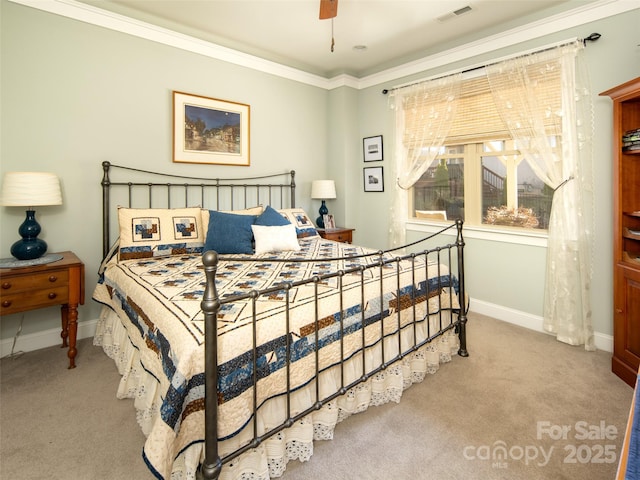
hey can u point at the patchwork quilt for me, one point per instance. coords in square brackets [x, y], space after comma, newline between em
[364, 313]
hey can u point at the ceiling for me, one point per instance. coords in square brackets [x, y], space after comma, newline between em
[290, 32]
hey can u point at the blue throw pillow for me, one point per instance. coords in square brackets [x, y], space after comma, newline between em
[271, 218]
[229, 233]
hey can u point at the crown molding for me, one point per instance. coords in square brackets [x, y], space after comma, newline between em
[557, 23]
[343, 80]
[120, 23]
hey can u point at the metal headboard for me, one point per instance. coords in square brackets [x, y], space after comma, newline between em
[175, 192]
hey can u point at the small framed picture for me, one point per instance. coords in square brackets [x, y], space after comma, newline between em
[372, 148]
[373, 179]
[329, 222]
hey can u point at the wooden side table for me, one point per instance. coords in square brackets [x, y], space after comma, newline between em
[344, 235]
[56, 283]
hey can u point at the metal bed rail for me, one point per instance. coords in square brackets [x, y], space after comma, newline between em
[450, 254]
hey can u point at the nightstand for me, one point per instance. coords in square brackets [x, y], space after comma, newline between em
[343, 235]
[38, 286]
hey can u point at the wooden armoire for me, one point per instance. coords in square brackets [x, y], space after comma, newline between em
[626, 229]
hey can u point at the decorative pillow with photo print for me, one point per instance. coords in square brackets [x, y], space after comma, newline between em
[302, 221]
[159, 232]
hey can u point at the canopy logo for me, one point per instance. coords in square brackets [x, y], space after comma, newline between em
[583, 443]
[499, 454]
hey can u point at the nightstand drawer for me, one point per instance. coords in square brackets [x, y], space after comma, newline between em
[46, 297]
[340, 237]
[45, 280]
[344, 235]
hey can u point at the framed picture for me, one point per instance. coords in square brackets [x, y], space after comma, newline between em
[329, 222]
[373, 179]
[372, 148]
[208, 130]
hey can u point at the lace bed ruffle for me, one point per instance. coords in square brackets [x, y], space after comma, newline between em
[270, 459]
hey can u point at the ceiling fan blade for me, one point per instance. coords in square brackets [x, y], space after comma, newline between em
[328, 9]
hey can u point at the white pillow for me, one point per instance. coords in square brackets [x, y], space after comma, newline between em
[275, 238]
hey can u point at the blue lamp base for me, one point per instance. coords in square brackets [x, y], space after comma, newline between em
[323, 211]
[30, 246]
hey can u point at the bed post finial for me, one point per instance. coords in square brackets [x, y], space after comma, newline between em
[293, 188]
[210, 305]
[462, 332]
[106, 223]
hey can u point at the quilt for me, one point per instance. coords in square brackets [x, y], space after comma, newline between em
[343, 316]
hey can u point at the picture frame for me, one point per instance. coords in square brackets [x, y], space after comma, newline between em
[329, 222]
[210, 131]
[373, 179]
[372, 148]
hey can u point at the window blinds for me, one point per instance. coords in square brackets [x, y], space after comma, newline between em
[477, 117]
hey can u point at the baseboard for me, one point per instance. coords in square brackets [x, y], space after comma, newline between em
[49, 338]
[532, 322]
[43, 339]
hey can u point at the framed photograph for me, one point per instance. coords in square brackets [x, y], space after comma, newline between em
[329, 222]
[373, 179]
[209, 130]
[372, 148]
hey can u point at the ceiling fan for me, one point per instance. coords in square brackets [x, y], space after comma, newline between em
[329, 9]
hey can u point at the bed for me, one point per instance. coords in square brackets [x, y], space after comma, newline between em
[243, 336]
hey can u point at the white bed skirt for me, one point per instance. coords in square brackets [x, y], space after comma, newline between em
[270, 459]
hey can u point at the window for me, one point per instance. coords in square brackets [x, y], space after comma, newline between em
[479, 175]
[502, 188]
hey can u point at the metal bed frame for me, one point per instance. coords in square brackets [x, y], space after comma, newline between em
[251, 191]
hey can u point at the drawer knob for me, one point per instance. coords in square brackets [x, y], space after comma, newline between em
[52, 295]
[6, 285]
[53, 278]
[6, 303]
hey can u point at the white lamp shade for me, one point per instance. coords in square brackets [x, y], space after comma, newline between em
[30, 189]
[323, 189]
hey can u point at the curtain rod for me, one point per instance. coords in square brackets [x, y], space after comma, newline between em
[591, 38]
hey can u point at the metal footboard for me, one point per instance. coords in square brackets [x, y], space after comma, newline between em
[451, 254]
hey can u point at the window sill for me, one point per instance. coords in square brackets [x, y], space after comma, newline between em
[506, 235]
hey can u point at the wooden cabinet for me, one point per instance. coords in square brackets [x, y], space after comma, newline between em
[626, 230]
[344, 235]
[56, 283]
[627, 321]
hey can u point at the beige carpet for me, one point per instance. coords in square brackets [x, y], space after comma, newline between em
[515, 390]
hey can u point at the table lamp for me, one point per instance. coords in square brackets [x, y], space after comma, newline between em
[30, 189]
[323, 190]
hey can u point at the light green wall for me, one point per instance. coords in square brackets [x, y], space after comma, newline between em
[342, 128]
[74, 95]
[371, 212]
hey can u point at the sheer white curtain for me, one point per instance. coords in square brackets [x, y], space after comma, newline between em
[520, 87]
[427, 110]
